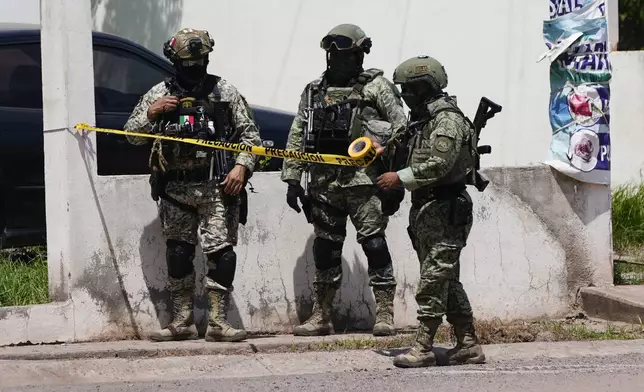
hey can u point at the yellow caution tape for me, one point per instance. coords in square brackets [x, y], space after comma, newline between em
[362, 152]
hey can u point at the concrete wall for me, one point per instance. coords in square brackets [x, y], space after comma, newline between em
[627, 117]
[528, 254]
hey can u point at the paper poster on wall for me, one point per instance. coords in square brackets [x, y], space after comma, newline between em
[580, 74]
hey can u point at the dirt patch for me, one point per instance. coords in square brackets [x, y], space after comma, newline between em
[576, 327]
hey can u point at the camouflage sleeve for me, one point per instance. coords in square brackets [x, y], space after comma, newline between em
[242, 116]
[138, 121]
[437, 154]
[390, 103]
[292, 169]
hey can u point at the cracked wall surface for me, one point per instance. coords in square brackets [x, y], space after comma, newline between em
[576, 213]
[522, 260]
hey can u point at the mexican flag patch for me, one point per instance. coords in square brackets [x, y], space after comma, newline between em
[187, 119]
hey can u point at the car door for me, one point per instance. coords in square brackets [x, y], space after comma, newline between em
[121, 77]
[22, 196]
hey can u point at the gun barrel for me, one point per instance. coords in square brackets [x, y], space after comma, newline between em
[309, 120]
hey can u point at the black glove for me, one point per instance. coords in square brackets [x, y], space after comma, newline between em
[390, 199]
[294, 192]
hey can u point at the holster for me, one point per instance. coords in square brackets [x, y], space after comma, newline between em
[448, 192]
[157, 182]
[243, 203]
[243, 206]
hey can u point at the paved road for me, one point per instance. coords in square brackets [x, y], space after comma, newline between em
[355, 371]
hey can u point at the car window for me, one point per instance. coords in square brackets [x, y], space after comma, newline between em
[20, 76]
[121, 78]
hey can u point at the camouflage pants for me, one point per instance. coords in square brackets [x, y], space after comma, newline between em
[214, 226]
[439, 230]
[330, 209]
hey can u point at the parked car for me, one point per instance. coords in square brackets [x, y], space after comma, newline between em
[123, 71]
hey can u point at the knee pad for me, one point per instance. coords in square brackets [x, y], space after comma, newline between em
[179, 255]
[326, 253]
[225, 262]
[377, 252]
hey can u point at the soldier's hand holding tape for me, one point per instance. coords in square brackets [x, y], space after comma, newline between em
[379, 148]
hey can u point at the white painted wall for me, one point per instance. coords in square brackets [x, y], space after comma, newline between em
[627, 117]
[20, 11]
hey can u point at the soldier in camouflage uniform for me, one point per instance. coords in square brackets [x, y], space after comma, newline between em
[437, 172]
[348, 102]
[194, 206]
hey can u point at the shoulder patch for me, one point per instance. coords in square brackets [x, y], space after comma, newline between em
[443, 144]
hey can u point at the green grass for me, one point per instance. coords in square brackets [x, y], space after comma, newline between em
[628, 273]
[628, 218]
[23, 277]
[628, 233]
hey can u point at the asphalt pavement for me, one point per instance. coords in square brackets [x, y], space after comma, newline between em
[565, 366]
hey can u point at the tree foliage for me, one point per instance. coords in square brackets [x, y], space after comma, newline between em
[631, 25]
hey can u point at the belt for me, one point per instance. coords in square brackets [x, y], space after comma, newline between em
[197, 174]
[440, 192]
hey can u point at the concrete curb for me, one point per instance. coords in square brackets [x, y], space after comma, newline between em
[618, 303]
[280, 344]
[147, 349]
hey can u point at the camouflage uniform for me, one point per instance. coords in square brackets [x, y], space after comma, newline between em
[340, 192]
[195, 209]
[440, 219]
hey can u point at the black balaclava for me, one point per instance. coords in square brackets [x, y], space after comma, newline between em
[190, 75]
[418, 94]
[342, 66]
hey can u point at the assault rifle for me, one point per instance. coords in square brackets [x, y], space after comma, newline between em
[306, 141]
[486, 110]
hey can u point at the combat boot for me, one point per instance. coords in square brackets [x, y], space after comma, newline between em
[421, 354]
[468, 350]
[320, 321]
[384, 324]
[219, 330]
[182, 326]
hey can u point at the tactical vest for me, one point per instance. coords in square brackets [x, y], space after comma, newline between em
[338, 114]
[201, 114]
[464, 164]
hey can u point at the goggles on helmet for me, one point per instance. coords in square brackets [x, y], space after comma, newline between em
[341, 42]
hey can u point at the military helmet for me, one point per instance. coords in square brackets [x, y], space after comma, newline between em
[346, 37]
[188, 44]
[421, 68]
